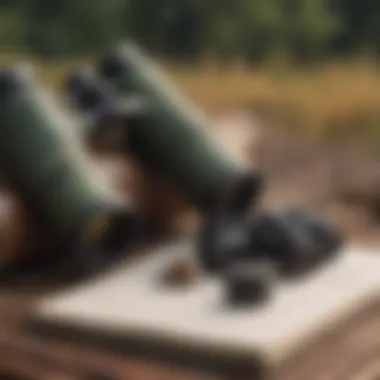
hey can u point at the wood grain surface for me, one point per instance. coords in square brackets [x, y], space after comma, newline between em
[349, 352]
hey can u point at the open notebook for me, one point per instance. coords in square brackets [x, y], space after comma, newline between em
[128, 306]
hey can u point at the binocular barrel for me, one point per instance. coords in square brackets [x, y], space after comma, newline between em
[45, 164]
[173, 138]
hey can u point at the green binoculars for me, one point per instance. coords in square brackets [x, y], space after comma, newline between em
[165, 133]
[42, 156]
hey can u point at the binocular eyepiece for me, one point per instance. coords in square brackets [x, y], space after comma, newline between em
[15, 79]
[87, 92]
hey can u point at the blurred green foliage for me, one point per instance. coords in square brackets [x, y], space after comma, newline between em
[191, 29]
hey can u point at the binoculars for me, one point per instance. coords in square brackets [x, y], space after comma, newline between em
[41, 152]
[165, 133]
[43, 160]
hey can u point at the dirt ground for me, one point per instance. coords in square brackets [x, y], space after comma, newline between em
[336, 181]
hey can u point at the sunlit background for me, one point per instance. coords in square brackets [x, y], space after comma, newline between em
[311, 64]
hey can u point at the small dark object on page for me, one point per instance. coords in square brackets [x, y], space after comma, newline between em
[248, 282]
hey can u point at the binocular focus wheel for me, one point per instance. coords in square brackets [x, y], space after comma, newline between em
[223, 239]
[248, 283]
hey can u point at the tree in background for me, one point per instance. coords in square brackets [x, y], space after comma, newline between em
[361, 25]
[72, 27]
[310, 26]
[189, 29]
